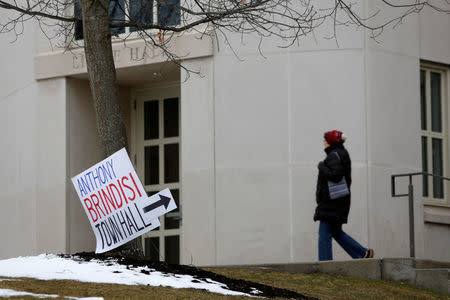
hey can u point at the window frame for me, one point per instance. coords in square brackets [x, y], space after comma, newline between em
[128, 34]
[138, 144]
[429, 134]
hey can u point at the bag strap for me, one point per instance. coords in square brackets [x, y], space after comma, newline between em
[337, 154]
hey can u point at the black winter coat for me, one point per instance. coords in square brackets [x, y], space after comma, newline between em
[333, 169]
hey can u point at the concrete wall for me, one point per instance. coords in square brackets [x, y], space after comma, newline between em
[198, 165]
[434, 37]
[51, 202]
[437, 239]
[393, 136]
[19, 165]
[32, 180]
[32, 177]
[33, 190]
[84, 150]
[317, 108]
[269, 132]
[394, 147]
[270, 115]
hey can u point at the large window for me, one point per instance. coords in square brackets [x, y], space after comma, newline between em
[435, 133]
[165, 13]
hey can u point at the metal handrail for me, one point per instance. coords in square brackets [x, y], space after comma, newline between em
[410, 175]
[410, 196]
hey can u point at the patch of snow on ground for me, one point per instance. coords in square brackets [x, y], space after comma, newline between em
[85, 298]
[49, 266]
[6, 293]
[255, 291]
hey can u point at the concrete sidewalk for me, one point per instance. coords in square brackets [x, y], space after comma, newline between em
[433, 275]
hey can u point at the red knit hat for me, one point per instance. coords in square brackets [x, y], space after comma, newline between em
[334, 137]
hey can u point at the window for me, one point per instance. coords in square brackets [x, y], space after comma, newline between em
[117, 14]
[165, 13]
[169, 13]
[78, 24]
[435, 133]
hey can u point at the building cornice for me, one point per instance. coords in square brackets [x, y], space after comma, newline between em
[137, 52]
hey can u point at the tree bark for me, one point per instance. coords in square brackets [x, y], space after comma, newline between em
[104, 89]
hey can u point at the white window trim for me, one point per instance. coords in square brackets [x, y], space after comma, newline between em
[164, 91]
[445, 92]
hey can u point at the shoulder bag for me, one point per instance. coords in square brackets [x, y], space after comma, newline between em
[338, 189]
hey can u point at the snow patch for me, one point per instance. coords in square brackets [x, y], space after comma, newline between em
[50, 266]
[6, 279]
[6, 293]
[85, 298]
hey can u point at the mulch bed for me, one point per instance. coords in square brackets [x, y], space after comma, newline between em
[238, 285]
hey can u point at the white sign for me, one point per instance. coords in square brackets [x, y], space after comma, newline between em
[116, 203]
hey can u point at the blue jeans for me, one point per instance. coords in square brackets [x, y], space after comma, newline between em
[329, 230]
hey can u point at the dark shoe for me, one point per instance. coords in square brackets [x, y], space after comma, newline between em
[369, 254]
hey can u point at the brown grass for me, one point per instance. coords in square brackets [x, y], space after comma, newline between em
[333, 287]
[321, 286]
[107, 291]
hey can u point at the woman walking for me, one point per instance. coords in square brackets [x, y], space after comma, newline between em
[333, 199]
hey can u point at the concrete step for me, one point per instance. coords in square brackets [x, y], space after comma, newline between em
[430, 264]
[433, 279]
[434, 275]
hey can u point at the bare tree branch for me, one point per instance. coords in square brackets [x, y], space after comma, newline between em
[35, 13]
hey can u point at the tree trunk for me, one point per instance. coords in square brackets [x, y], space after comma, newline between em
[104, 88]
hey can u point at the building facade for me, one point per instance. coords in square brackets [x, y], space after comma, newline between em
[238, 145]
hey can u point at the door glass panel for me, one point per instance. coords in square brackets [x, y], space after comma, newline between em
[141, 11]
[172, 219]
[151, 165]
[171, 117]
[425, 165]
[152, 249]
[438, 186]
[172, 249]
[151, 193]
[436, 108]
[171, 165]
[151, 120]
[423, 103]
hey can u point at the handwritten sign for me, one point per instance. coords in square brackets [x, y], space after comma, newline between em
[116, 203]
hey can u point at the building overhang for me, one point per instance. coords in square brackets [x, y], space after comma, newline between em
[129, 54]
